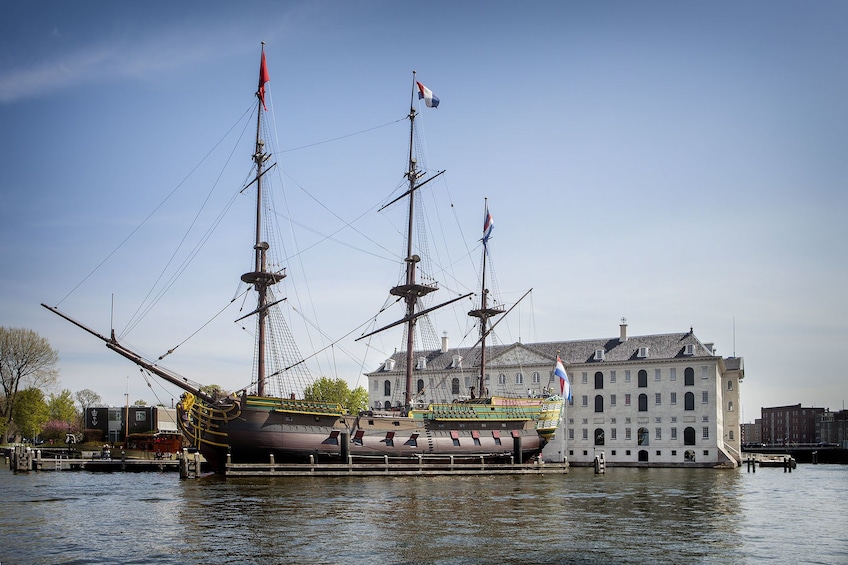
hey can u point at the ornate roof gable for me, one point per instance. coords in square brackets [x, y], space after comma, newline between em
[517, 355]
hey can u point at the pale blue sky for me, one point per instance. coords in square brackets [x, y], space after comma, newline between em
[679, 164]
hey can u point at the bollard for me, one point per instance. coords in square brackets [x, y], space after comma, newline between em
[344, 445]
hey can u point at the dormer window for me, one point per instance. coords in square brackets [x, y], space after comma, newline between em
[599, 354]
[389, 365]
[422, 363]
[642, 353]
[689, 349]
[456, 362]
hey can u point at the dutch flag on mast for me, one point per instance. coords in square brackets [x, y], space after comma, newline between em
[430, 99]
[564, 385]
[488, 226]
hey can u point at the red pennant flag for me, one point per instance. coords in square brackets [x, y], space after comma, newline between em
[263, 78]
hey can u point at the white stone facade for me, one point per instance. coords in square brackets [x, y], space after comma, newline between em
[661, 400]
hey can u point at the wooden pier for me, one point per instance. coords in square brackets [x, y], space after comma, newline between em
[384, 466]
[24, 459]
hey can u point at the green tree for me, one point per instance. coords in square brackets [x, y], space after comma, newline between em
[330, 390]
[26, 360]
[140, 402]
[62, 407]
[31, 412]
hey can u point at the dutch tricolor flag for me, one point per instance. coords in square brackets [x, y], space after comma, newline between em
[430, 99]
[488, 226]
[564, 385]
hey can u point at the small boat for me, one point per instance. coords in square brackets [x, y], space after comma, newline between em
[776, 460]
[272, 420]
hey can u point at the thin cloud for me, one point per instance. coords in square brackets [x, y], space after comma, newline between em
[110, 61]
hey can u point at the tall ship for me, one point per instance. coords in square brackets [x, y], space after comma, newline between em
[271, 419]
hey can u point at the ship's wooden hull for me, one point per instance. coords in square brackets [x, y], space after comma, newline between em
[250, 432]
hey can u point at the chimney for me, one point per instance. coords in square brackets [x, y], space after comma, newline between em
[445, 342]
[623, 327]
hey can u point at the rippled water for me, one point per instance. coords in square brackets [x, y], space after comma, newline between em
[624, 516]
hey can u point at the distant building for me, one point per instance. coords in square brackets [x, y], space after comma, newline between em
[832, 428]
[752, 433]
[790, 425]
[657, 400]
[110, 421]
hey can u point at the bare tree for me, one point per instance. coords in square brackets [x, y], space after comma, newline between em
[26, 361]
[86, 398]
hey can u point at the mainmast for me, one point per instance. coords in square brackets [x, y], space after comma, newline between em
[411, 291]
[260, 278]
[484, 312]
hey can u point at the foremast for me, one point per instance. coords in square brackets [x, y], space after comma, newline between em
[260, 278]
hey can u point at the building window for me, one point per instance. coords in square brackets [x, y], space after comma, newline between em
[454, 385]
[612, 400]
[375, 385]
[627, 399]
[585, 400]
[689, 377]
[599, 403]
[658, 433]
[643, 437]
[643, 403]
[519, 378]
[705, 397]
[599, 436]
[657, 375]
[612, 376]
[501, 379]
[729, 385]
[730, 406]
[585, 434]
[672, 374]
[599, 380]
[387, 388]
[705, 372]
[688, 401]
[730, 435]
[673, 433]
[643, 378]
[420, 386]
[584, 378]
[689, 436]
[613, 434]
[705, 432]
[627, 434]
[571, 434]
[536, 378]
[673, 398]
[627, 376]
[657, 398]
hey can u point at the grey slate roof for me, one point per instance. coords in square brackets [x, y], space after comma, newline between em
[662, 346]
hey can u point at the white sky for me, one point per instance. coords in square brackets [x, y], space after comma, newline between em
[679, 164]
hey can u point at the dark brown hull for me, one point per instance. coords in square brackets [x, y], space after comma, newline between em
[254, 435]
